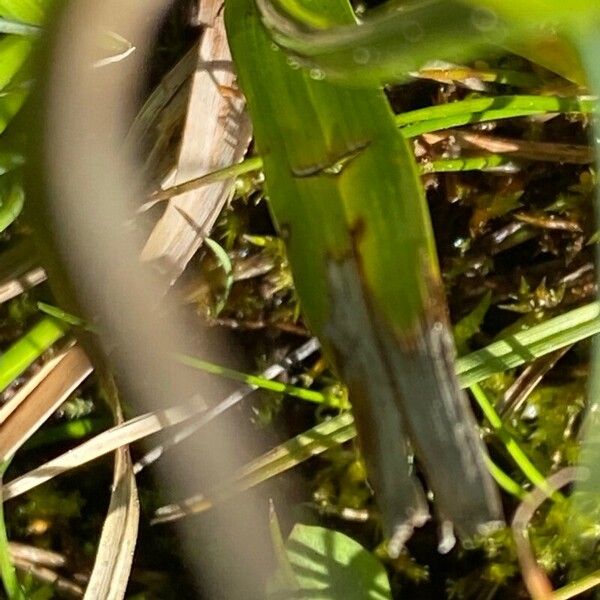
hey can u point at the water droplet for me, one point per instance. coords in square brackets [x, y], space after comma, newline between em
[484, 19]
[317, 74]
[293, 63]
[412, 31]
[274, 47]
[335, 168]
[285, 231]
[361, 56]
[468, 544]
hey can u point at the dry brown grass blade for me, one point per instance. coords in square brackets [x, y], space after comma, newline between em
[146, 425]
[159, 123]
[11, 405]
[36, 556]
[525, 149]
[194, 424]
[43, 564]
[100, 445]
[114, 558]
[65, 587]
[21, 417]
[527, 381]
[40, 397]
[150, 115]
[19, 271]
[317, 440]
[112, 566]
[160, 165]
[11, 288]
[216, 134]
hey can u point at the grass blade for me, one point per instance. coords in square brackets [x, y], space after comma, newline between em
[419, 122]
[315, 441]
[139, 427]
[12, 198]
[14, 50]
[505, 354]
[481, 110]
[512, 447]
[237, 396]
[10, 104]
[261, 382]
[38, 399]
[16, 28]
[527, 345]
[104, 443]
[29, 348]
[343, 182]
[112, 567]
[386, 47]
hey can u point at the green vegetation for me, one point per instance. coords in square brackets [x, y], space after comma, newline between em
[329, 234]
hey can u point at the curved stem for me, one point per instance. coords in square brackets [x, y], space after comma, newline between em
[512, 447]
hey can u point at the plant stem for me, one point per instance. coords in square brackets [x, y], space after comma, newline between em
[473, 163]
[505, 481]
[7, 570]
[16, 28]
[511, 445]
[27, 349]
[577, 587]
[254, 163]
[261, 382]
[479, 110]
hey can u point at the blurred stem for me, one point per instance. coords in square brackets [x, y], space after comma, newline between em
[61, 315]
[16, 28]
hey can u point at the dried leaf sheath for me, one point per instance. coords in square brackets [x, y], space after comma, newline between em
[345, 193]
[217, 133]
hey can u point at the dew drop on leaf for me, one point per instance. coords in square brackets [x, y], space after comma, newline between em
[484, 19]
[317, 74]
[361, 56]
